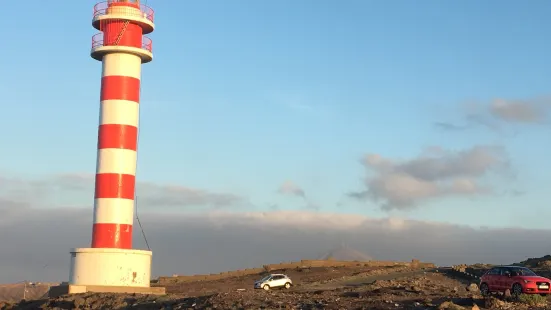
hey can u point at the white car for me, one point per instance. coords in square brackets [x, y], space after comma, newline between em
[275, 280]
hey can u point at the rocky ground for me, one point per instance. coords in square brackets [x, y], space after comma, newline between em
[339, 288]
[541, 266]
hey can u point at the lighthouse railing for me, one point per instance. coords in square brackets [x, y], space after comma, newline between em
[97, 41]
[129, 8]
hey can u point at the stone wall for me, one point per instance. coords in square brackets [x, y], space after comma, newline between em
[289, 265]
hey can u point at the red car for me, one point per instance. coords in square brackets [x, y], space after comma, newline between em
[519, 280]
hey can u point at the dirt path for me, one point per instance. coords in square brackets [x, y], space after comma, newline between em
[365, 280]
[384, 277]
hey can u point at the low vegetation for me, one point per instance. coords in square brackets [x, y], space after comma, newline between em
[533, 299]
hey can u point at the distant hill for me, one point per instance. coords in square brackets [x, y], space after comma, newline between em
[535, 262]
[345, 253]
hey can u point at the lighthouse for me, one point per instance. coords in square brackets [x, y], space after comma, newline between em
[110, 264]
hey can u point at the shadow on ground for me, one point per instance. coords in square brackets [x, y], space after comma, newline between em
[90, 302]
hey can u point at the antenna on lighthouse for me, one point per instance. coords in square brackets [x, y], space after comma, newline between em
[140, 223]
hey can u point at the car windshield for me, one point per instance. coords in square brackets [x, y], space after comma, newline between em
[522, 272]
[265, 278]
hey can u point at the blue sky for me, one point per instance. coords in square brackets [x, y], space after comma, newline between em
[244, 95]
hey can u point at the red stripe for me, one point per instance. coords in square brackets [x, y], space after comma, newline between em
[117, 136]
[116, 87]
[114, 185]
[112, 236]
[132, 34]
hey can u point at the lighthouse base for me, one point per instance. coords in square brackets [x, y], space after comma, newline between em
[106, 266]
[65, 289]
[109, 270]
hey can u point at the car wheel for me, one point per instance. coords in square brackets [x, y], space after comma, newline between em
[266, 287]
[517, 290]
[287, 285]
[484, 289]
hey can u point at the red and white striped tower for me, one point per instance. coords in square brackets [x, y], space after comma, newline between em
[122, 48]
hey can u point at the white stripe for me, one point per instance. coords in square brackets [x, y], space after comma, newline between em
[126, 11]
[120, 161]
[123, 112]
[122, 64]
[114, 211]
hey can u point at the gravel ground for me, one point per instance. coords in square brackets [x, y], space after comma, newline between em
[342, 288]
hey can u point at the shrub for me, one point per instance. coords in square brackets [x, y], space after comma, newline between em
[545, 263]
[533, 299]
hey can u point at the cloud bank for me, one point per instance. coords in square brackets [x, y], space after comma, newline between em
[36, 242]
[194, 231]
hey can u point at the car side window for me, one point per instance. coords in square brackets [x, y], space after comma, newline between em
[493, 272]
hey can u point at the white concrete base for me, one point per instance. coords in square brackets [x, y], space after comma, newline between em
[110, 267]
[60, 290]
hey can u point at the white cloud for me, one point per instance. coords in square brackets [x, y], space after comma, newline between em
[520, 111]
[290, 188]
[498, 113]
[402, 184]
[47, 190]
